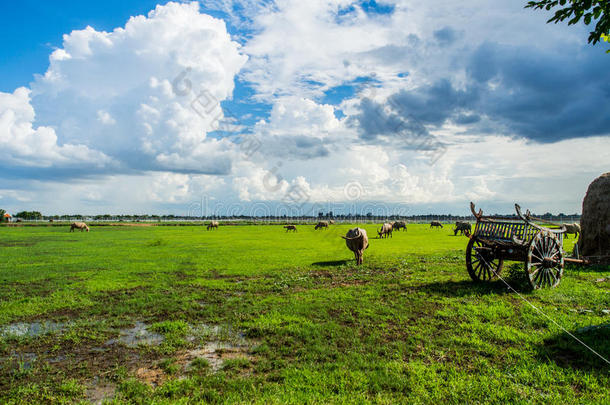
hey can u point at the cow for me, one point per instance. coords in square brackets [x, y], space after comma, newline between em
[463, 227]
[572, 228]
[386, 229]
[212, 225]
[435, 224]
[399, 225]
[290, 228]
[331, 222]
[357, 241]
[79, 225]
[321, 224]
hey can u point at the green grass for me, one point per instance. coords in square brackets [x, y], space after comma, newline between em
[408, 326]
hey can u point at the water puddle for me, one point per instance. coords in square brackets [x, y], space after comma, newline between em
[137, 336]
[215, 353]
[99, 392]
[31, 329]
[25, 360]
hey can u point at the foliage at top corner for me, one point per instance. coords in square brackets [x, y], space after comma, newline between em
[575, 10]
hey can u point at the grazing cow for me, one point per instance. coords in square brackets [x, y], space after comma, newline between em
[463, 227]
[399, 225]
[212, 225]
[357, 241]
[331, 222]
[572, 228]
[435, 224]
[386, 229]
[290, 228]
[79, 225]
[321, 224]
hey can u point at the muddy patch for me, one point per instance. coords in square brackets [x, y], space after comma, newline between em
[153, 376]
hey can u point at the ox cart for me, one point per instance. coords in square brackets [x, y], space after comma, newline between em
[495, 240]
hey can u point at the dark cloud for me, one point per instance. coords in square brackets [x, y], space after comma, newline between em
[466, 119]
[432, 104]
[541, 95]
[522, 91]
[445, 36]
[296, 147]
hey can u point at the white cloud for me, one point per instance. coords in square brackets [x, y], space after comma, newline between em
[22, 144]
[141, 94]
[138, 103]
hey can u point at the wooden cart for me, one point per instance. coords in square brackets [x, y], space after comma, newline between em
[495, 240]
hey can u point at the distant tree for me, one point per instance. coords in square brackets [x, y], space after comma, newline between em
[2, 212]
[574, 10]
[29, 215]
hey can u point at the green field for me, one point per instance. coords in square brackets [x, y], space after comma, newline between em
[252, 314]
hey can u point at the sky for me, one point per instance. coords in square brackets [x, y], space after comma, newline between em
[288, 107]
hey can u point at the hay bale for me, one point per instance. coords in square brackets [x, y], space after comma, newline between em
[595, 221]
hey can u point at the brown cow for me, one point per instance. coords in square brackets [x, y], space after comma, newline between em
[290, 228]
[79, 225]
[435, 224]
[572, 228]
[321, 224]
[386, 229]
[399, 225]
[462, 227]
[212, 225]
[357, 241]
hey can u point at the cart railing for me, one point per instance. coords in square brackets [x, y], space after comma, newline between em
[510, 230]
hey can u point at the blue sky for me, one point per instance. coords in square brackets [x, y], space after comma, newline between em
[406, 105]
[31, 29]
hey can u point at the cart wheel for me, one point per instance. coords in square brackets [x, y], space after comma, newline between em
[544, 263]
[481, 261]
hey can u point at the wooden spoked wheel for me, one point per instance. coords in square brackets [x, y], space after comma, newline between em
[481, 261]
[544, 263]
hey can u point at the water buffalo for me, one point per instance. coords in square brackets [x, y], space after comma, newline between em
[463, 227]
[79, 225]
[435, 224]
[399, 225]
[572, 228]
[321, 224]
[212, 225]
[357, 241]
[290, 228]
[386, 230]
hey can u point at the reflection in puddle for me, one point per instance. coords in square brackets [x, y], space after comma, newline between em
[215, 353]
[24, 360]
[98, 392]
[136, 336]
[31, 329]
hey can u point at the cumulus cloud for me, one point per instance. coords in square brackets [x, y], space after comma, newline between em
[357, 99]
[23, 144]
[146, 94]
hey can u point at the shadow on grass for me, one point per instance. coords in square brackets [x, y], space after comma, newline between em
[463, 288]
[567, 352]
[592, 268]
[332, 263]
